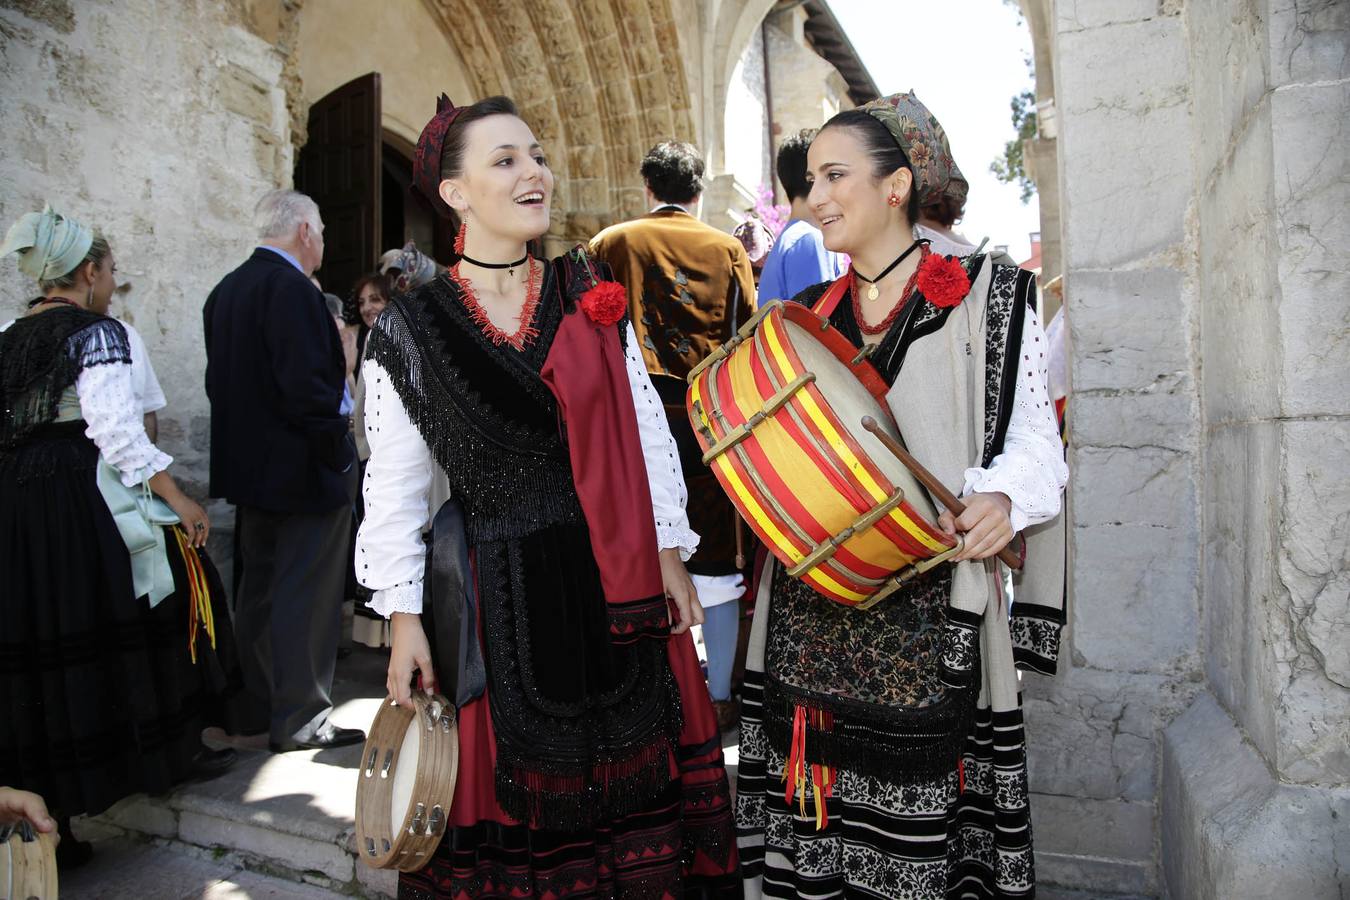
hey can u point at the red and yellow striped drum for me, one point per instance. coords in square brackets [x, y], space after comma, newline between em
[778, 413]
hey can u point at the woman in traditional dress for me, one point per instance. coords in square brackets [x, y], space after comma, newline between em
[912, 705]
[590, 763]
[109, 662]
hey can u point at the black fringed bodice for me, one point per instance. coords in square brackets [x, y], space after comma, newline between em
[41, 355]
[489, 420]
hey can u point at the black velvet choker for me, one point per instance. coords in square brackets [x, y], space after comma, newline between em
[486, 265]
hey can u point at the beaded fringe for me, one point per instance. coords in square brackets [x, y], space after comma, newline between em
[840, 739]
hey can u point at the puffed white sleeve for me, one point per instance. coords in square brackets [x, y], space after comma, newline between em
[390, 552]
[664, 477]
[115, 423]
[1031, 469]
[144, 382]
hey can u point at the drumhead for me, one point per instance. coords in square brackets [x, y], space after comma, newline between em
[404, 775]
[851, 401]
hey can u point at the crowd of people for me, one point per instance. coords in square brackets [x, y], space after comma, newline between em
[502, 443]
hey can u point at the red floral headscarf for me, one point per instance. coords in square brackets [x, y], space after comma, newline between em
[920, 135]
[427, 161]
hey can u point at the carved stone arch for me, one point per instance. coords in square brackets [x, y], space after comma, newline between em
[597, 79]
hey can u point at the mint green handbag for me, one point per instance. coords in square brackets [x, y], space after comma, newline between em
[140, 517]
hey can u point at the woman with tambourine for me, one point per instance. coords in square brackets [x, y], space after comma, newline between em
[902, 724]
[557, 604]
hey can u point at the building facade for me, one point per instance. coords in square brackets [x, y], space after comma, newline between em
[1193, 185]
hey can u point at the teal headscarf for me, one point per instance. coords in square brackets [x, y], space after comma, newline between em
[49, 244]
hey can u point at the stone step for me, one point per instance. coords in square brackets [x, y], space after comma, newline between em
[290, 815]
[128, 869]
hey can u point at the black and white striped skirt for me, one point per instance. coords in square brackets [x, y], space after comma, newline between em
[963, 836]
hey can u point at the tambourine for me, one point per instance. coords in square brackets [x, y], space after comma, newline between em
[27, 863]
[406, 782]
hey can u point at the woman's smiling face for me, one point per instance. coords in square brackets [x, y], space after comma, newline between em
[848, 201]
[506, 184]
[370, 304]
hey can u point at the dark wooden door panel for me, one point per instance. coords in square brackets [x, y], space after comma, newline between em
[340, 168]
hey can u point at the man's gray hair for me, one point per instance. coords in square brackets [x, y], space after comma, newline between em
[279, 213]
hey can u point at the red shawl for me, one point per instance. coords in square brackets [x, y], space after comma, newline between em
[585, 370]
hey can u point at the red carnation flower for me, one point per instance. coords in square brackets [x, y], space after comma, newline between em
[605, 303]
[943, 280]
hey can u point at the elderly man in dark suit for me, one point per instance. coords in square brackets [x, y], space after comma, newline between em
[281, 451]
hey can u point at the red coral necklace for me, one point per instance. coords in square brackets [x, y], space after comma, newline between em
[526, 332]
[885, 324]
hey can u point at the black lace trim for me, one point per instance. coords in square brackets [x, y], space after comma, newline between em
[1011, 290]
[43, 354]
[1035, 633]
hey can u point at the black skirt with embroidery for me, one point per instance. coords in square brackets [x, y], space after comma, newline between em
[99, 697]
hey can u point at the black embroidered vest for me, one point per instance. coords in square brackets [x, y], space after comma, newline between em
[489, 420]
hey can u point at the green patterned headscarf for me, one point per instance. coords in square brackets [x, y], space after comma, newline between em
[49, 244]
[920, 135]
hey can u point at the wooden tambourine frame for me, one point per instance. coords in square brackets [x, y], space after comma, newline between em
[27, 863]
[428, 807]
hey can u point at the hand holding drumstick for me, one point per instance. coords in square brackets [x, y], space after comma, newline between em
[984, 519]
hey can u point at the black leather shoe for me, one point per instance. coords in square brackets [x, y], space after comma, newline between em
[328, 736]
[208, 763]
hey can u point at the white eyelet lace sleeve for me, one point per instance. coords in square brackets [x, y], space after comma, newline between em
[116, 425]
[1031, 468]
[664, 477]
[390, 552]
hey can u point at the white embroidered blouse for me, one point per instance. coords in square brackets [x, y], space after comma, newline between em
[390, 553]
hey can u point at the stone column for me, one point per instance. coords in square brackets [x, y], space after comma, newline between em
[1256, 774]
[1130, 660]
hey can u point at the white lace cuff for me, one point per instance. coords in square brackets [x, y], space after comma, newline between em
[669, 534]
[401, 598]
[158, 462]
[987, 481]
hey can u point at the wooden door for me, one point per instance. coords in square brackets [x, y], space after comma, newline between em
[340, 168]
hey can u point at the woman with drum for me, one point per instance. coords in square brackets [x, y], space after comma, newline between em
[110, 665]
[589, 756]
[898, 728]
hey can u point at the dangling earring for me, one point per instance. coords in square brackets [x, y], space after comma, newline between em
[893, 201]
[459, 238]
[89, 298]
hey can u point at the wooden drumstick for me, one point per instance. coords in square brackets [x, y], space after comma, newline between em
[927, 479]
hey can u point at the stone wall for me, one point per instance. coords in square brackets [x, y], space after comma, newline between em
[161, 123]
[1273, 226]
[1197, 743]
[1132, 648]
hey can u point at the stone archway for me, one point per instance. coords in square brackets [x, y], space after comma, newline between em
[598, 80]
[734, 26]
